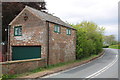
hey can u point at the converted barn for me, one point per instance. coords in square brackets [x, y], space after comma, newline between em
[38, 35]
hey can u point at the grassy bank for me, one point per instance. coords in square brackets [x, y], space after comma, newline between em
[48, 68]
[115, 46]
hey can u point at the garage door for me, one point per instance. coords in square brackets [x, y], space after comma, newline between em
[26, 52]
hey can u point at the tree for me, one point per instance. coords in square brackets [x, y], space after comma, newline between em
[89, 39]
[10, 10]
[110, 40]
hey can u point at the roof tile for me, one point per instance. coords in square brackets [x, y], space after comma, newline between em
[48, 17]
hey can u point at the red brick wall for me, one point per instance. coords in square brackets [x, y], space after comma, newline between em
[18, 67]
[34, 33]
[61, 46]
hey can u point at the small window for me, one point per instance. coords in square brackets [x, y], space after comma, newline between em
[68, 31]
[57, 28]
[18, 31]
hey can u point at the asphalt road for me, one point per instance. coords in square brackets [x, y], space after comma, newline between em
[103, 67]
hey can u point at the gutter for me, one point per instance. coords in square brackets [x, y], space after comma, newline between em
[61, 25]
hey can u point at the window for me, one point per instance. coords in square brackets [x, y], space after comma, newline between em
[18, 31]
[57, 29]
[68, 31]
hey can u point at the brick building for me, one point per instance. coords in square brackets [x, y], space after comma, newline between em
[36, 34]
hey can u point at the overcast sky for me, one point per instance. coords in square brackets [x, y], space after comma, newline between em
[102, 12]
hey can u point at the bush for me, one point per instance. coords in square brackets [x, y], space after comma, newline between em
[89, 39]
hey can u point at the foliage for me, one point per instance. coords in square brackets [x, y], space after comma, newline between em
[89, 39]
[115, 46]
[110, 40]
[5, 76]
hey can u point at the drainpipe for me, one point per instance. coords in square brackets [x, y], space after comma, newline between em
[8, 46]
[48, 45]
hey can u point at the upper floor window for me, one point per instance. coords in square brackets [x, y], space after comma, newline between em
[18, 31]
[68, 31]
[57, 28]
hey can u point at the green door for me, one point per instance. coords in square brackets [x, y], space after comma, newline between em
[26, 52]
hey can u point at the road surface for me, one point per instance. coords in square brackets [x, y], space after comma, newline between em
[104, 67]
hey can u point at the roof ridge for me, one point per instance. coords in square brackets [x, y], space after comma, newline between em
[47, 16]
[41, 11]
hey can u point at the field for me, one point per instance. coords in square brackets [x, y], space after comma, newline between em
[115, 46]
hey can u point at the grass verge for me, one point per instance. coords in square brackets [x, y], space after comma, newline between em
[115, 46]
[4, 77]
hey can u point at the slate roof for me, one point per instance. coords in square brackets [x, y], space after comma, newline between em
[22, 0]
[48, 17]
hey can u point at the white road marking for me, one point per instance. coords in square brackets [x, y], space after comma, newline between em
[70, 68]
[103, 69]
[91, 76]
